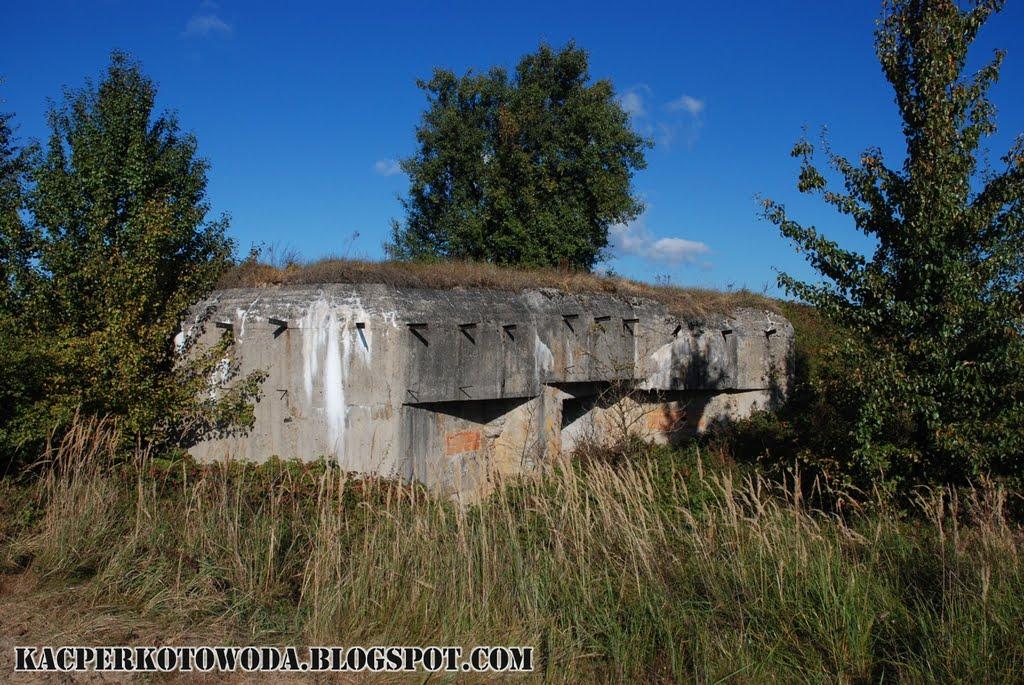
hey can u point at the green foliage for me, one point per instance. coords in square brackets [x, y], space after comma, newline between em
[22, 363]
[526, 170]
[15, 237]
[118, 248]
[930, 371]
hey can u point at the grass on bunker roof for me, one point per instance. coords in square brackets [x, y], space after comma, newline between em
[464, 275]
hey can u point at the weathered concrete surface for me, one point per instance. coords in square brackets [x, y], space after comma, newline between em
[453, 388]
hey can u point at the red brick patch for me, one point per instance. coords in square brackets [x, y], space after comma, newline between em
[463, 441]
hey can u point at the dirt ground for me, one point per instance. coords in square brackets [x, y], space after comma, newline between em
[32, 615]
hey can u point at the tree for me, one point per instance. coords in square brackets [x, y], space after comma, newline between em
[121, 247]
[15, 237]
[24, 361]
[525, 170]
[932, 372]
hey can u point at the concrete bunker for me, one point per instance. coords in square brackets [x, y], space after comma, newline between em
[455, 387]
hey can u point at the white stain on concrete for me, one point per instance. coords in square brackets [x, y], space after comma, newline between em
[319, 316]
[329, 338]
[220, 375]
[542, 353]
[334, 387]
[354, 314]
[666, 361]
[241, 315]
[323, 370]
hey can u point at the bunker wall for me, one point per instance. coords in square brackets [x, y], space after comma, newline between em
[454, 388]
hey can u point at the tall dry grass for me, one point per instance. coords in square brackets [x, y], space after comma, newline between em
[652, 568]
[686, 303]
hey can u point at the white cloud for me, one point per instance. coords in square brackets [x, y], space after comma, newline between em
[665, 133]
[635, 239]
[207, 26]
[667, 122]
[679, 250]
[387, 167]
[687, 103]
[686, 125]
[634, 100]
[633, 103]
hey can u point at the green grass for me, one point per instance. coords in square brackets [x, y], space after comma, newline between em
[664, 566]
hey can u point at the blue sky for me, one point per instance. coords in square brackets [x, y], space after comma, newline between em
[303, 108]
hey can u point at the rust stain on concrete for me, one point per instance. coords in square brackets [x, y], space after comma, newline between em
[666, 419]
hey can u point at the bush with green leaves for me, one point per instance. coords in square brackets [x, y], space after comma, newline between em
[929, 378]
[527, 170]
[118, 247]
